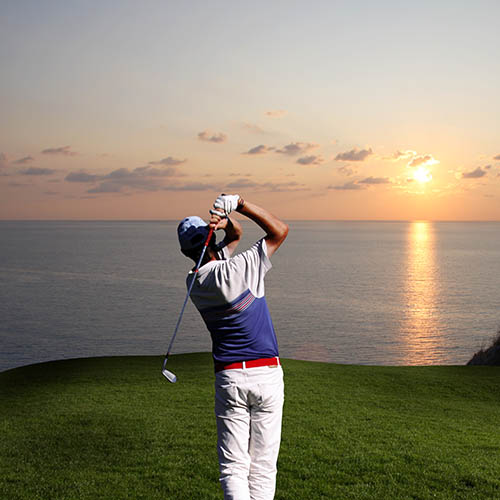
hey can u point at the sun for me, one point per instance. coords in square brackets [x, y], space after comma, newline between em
[422, 175]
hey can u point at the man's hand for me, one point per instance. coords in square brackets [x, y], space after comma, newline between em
[217, 221]
[225, 204]
[232, 229]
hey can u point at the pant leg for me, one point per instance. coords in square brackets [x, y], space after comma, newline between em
[233, 428]
[265, 434]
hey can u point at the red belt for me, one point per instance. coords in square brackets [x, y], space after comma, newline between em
[248, 364]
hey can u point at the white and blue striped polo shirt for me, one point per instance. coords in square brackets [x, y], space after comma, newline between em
[229, 293]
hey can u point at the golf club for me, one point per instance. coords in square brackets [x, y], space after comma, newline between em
[166, 373]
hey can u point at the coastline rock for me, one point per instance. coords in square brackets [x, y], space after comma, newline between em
[489, 356]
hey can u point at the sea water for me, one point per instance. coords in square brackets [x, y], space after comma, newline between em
[386, 293]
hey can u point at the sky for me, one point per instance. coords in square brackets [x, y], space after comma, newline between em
[341, 110]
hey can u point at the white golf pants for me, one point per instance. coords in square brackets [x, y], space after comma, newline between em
[248, 407]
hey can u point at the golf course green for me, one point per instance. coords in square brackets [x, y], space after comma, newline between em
[114, 428]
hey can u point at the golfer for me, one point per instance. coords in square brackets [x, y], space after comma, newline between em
[229, 294]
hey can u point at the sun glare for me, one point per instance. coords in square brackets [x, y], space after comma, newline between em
[422, 175]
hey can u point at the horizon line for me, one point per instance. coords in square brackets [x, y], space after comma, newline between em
[284, 218]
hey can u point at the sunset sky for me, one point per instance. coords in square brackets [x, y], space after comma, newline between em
[317, 109]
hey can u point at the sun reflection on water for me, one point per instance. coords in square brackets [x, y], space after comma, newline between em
[420, 329]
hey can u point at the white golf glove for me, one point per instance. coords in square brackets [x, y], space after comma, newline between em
[225, 204]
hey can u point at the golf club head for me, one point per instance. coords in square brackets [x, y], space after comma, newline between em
[169, 376]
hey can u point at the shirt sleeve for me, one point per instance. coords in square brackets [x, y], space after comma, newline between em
[251, 266]
[223, 252]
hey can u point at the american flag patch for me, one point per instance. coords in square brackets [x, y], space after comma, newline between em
[238, 307]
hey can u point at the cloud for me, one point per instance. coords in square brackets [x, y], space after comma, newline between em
[401, 155]
[354, 155]
[154, 172]
[112, 187]
[348, 186]
[275, 113]
[23, 161]
[37, 171]
[239, 174]
[63, 150]
[474, 174]
[296, 148]
[192, 186]
[375, 180]
[209, 137]
[266, 186]
[19, 184]
[169, 161]
[261, 149]
[346, 170]
[251, 127]
[106, 187]
[141, 178]
[311, 160]
[3, 160]
[82, 176]
[421, 160]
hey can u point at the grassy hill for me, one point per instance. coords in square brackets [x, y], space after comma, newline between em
[114, 428]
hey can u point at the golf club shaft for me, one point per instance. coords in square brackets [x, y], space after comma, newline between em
[210, 232]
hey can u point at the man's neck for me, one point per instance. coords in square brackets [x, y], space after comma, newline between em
[208, 257]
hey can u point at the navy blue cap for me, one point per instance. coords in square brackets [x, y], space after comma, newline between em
[192, 232]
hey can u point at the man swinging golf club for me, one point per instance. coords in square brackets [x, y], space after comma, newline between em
[229, 294]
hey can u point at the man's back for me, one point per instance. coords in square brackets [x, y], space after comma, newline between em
[229, 293]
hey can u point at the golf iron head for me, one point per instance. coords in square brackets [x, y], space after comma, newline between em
[169, 375]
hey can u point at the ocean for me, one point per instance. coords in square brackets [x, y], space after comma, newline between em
[378, 293]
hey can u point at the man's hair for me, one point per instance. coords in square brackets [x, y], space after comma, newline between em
[194, 253]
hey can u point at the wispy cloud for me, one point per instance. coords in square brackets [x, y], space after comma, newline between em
[422, 160]
[474, 174]
[311, 160]
[275, 113]
[63, 150]
[146, 178]
[4, 161]
[82, 176]
[208, 136]
[253, 128]
[192, 186]
[106, 187]
[23, 161]
[261, 149]
[156, 172]
[296, 148]
[346, 170]
[348, 186]
[267, 186]
[169, 161]
[375, 180]
[354, 155]
[37, 171]
[239, 174]
[401, 155]
[18, 184]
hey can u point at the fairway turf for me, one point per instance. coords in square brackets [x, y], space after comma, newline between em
[114, 428]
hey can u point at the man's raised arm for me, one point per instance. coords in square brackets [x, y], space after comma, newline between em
[276, 230]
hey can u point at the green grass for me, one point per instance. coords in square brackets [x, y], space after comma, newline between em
[114, 428]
